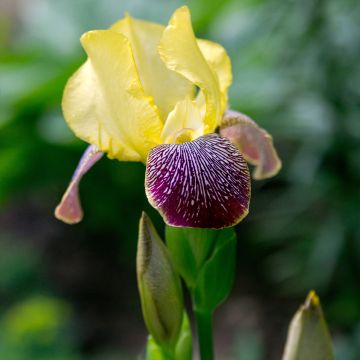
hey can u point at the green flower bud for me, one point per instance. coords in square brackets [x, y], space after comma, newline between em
[183, 348]
[308, 336]
[159, 287]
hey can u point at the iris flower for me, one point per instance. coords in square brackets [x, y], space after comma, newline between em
[158, 95]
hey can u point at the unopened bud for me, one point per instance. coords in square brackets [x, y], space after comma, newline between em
[308, 336]
[159, 286]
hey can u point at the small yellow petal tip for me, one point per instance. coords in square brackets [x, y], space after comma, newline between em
[183, 8]
[86, 36]
[312, 300]
[89, 36]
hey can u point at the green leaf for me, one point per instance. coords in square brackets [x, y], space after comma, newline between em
[308, 335]
[216, 277]
[190, 248]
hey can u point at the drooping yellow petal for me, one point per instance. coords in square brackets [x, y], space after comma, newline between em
[105, 104]
[254, 142]
[180, 52]
[185, 118]
[164, 85]
[220, 63]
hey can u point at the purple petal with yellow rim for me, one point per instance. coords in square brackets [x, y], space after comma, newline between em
[69, 209]
[204, 183]
[255, 143]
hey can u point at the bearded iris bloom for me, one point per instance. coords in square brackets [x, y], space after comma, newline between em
[158, 95]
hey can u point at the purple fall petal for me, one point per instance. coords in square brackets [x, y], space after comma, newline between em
[69, 209]
[204, 183]
[255, 143]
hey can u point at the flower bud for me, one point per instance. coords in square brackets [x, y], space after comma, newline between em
[308, 336]
[159, 287]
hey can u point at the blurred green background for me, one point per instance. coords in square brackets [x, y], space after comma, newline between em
[69, 292]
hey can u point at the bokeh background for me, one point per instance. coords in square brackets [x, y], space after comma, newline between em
[69, 292]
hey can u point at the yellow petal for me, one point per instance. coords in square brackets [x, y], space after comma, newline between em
[255, 143]
[104, 102]
[180, 52]
[220, 63]
[165, 86]
[185, 116]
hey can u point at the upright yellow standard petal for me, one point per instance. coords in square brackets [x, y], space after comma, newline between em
[164, 85]
[220, 63]
[105, 104]
[180, 52]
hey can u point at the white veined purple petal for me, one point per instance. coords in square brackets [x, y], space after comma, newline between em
[204, 183]
[69, 209]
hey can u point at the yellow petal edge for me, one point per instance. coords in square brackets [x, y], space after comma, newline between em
[104, 102]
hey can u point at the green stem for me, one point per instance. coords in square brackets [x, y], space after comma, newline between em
[205, 334]
[168, 355]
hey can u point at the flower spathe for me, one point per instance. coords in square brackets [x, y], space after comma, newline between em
[146, 87]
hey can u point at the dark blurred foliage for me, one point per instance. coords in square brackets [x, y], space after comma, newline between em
[70, 292]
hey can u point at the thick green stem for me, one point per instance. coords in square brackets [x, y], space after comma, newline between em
[168, 354]
[205, 334]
